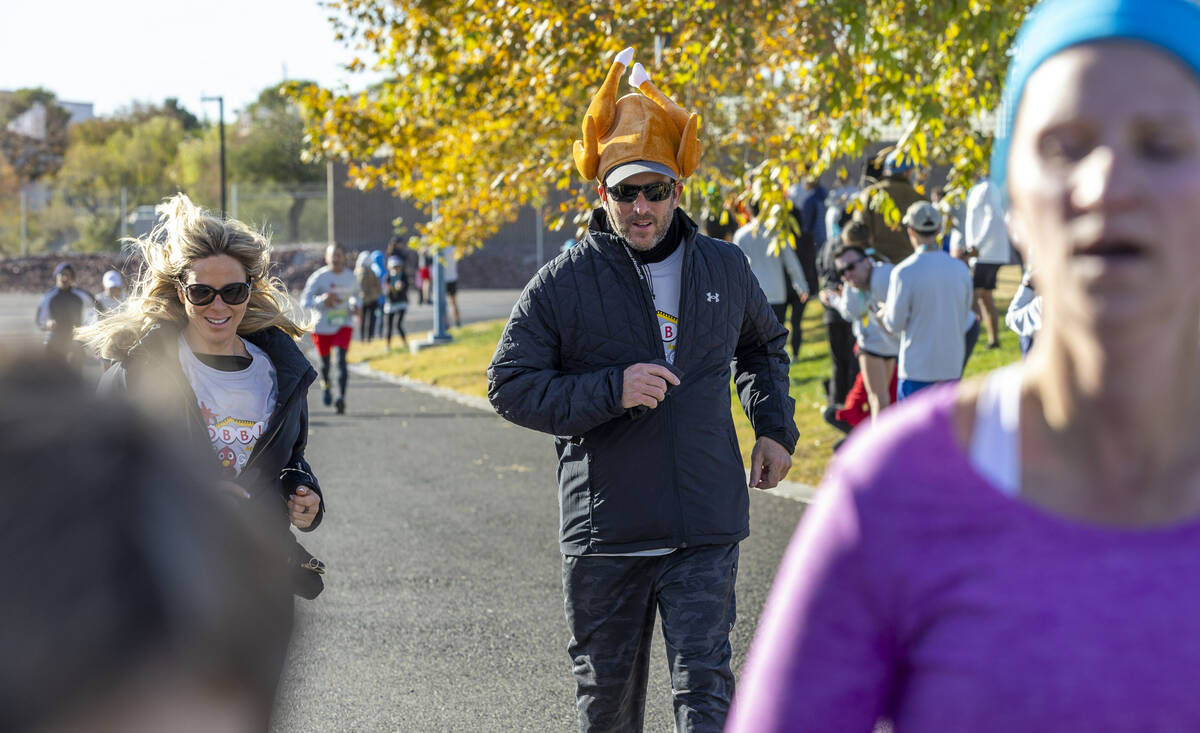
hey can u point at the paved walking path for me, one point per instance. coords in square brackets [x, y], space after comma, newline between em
[443, 607]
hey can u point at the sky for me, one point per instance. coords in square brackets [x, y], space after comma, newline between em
[117, 52]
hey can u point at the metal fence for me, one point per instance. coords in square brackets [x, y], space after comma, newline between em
[39, 220]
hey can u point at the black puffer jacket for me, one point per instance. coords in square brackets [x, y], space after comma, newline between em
[276, 465]
[639, 479]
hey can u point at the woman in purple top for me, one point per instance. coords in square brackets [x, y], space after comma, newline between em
[1021, 553]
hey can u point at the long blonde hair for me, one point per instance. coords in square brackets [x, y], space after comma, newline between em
[186, 234]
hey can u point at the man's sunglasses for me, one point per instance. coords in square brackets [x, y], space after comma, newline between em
[232, 294]
[627, 192]
[843, 270]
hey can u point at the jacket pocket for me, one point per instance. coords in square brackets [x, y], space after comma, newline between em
[632, 492]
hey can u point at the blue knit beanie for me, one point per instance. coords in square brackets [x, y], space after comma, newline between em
[1054, 25]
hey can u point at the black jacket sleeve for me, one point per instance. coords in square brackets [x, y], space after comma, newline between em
[297, 471]
[760, 369]
[526, 381]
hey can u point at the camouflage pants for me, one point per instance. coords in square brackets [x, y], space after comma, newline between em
[610, 605]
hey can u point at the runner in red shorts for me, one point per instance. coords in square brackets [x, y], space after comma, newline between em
[333, 292]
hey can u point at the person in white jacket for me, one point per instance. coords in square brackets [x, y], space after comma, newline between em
[988, 247]
[768, 260]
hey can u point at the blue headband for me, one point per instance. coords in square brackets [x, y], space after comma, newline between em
[1054, 25]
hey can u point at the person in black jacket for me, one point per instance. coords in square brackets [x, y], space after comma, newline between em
[207, 337]
[621, 348]
[63, 309]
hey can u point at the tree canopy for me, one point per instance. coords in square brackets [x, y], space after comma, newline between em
[267, 147]
[481, 101]
[33, 156]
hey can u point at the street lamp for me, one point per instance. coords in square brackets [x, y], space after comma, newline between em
[221, 127]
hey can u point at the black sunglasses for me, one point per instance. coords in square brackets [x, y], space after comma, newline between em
[232, 294]
[843, 270]
[627, 192]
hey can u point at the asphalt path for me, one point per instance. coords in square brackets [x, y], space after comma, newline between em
[443, 606]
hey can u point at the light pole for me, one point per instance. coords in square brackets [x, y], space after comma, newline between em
[220, 100]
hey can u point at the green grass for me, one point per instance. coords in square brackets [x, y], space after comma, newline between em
[461, 365]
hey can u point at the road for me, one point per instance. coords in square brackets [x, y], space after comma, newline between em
[443, 609]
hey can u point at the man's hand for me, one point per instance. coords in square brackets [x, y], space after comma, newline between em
[302, 507]
[646, 384]
[826, 294]
[330, 299]
[769, 464]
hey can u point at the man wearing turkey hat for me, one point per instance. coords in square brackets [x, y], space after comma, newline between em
[621, 348]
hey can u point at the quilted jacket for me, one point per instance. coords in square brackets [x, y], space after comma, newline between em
[641, 479]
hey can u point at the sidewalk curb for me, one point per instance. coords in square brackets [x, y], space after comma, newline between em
[802, 493]
[445, 393]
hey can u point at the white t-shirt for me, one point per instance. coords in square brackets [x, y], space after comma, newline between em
[985, 225]
[666, 276]
[450, 266]
[334, 315]
[106, 302]
[235, 405]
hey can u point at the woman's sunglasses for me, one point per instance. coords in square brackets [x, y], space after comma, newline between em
[232, 294]
[627, 192]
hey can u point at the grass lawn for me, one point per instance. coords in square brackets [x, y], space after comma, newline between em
[461, 364]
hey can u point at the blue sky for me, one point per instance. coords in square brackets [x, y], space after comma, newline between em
[113, 53]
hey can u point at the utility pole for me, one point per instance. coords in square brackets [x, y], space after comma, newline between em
[24, 229]
[220, 100]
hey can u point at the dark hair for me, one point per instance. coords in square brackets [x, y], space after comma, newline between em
[857, 232]
[846, 249]
[122, 556]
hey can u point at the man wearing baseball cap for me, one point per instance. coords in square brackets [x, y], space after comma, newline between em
[928, 306]
[62, 309]
[110, 298]
[620, 348]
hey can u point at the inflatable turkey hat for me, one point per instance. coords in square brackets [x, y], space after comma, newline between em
[646, 129]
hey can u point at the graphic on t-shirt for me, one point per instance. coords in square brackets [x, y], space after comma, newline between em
[232, 438]
[339, 314]
[668, 325]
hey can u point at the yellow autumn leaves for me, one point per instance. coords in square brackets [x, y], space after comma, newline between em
[481, 100]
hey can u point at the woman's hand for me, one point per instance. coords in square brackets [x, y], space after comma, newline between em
[302, 507]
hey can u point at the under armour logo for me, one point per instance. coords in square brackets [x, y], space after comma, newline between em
[714, 297]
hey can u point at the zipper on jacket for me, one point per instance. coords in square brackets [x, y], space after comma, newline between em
[656, 329]
[647, 299]
[684, 290]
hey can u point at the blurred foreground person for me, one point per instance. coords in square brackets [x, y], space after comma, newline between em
[207, 340]
[138, 596]
[1015, 553]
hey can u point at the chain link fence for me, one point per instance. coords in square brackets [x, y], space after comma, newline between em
[40, 221]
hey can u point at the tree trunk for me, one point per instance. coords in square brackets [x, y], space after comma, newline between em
[294, 212]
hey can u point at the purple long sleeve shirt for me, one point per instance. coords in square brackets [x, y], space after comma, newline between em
[915, 592]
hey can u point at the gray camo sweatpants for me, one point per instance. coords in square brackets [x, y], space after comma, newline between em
[610, 605]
